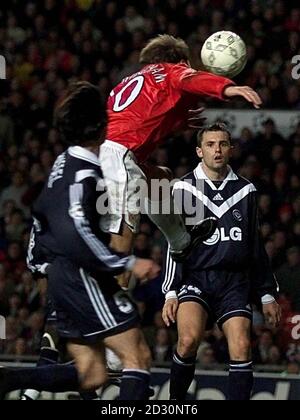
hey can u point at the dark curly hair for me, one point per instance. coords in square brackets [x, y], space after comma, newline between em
[81, 115]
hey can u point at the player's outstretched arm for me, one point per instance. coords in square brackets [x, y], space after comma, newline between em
[246, 92]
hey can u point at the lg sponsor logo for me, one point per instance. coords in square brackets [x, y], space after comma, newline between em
[235, 234]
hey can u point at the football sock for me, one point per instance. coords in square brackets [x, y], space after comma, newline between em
[48, 356]
[53, 378]
[89, 396]
[182, 375]
[135, 385]
[163, 215]
[240, 381]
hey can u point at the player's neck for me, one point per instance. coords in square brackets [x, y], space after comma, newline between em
[94, 149]
[215, 174]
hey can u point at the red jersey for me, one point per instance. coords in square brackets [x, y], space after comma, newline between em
[148, 106]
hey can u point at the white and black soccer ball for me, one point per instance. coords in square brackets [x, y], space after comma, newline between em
[224, 53]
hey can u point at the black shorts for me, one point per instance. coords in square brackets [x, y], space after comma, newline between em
[87, 309]
[223, 294]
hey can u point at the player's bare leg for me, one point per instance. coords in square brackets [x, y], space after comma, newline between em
[161, 209]
[131, 348]
[88, 374]
[238, 334]
[135, 356]
[191, 324]
[124, 242]
[90, 364]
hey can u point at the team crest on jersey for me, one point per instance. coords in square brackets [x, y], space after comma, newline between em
[237, 215]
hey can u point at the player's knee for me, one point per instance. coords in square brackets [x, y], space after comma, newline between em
[188, 345]
[138, 359]
[93, 377]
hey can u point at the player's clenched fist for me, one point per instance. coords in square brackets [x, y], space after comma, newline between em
[145, 269]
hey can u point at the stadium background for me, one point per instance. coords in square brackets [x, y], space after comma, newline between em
[46, 44]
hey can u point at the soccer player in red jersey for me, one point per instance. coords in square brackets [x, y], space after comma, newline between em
[144, 109]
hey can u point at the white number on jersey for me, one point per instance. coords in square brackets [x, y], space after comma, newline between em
[127, 95]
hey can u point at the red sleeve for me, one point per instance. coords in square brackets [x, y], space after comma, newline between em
[199, 82]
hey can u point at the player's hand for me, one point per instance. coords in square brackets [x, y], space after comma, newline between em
[145, 269]
[246, 92]
[123, 279]
[272, 313]
[196, 119]
[169, 311]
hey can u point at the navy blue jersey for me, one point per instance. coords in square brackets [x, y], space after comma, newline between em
[236, 245]
[67, 220]
[39, 254]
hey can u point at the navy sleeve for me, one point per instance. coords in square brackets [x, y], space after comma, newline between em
[37, 257]
[262, 277]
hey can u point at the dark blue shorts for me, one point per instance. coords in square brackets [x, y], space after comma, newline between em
[86, 308]
[223, 294]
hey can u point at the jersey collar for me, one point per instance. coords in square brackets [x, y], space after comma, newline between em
[201, 175]
[81, 153]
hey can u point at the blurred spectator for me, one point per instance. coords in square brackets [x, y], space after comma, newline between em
[219, 345]
[274, 356]
[288, 277]
[14, 192]
[262, 348]
[162, 348]
[206, 356]
[15, 226]
[14, 261]
[36, 325]
[293, 368]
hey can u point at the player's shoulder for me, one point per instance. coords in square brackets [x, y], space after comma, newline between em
[179, 68]
[83, 165]
[188, 179]
[81, 157]
[244, 182]
[190, 176]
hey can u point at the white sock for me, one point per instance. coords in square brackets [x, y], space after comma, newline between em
[162, 214]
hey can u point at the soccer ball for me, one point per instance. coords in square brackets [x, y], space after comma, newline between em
[224, 53]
